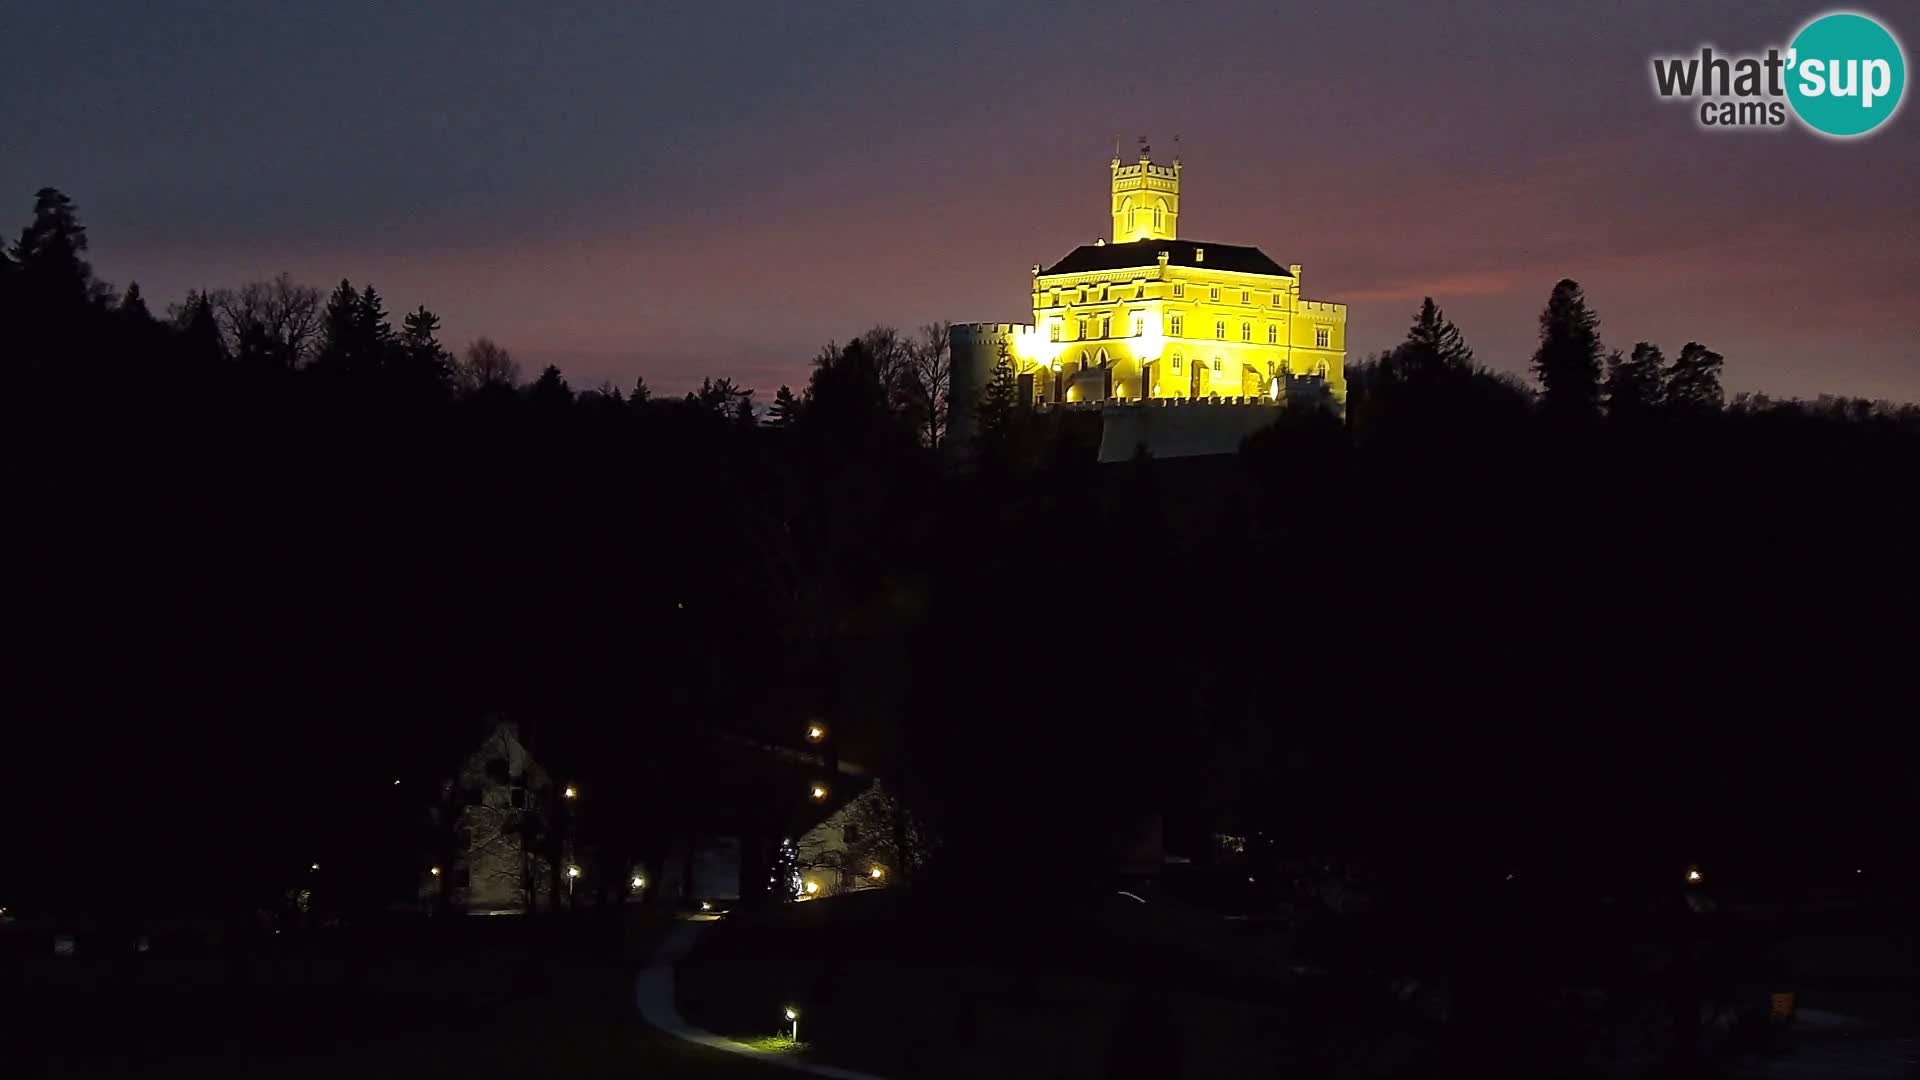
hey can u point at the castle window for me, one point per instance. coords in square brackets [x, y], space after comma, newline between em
[1246, 331]
[1273, 333]
[1139, 326]
[1213, 293]
[1053, 331]
[1105, 327]
[1245, 297]
[1220, 328]
[1322, 338]
[1160, 214]
[1216, 363]
[1176, 363]
[1178, 324]
[1276, 299]
[1179, 289]
[1083, 295]
[1083, 328]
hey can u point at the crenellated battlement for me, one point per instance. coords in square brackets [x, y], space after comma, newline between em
[1322, 307]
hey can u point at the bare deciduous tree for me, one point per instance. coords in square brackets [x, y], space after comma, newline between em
[276, 321]
[487, 364]
[924, 379]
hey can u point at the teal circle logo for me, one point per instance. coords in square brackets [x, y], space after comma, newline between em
[1846, 74]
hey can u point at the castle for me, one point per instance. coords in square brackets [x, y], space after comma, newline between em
[1185, 346]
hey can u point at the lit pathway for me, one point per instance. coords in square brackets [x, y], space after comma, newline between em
[653, 993]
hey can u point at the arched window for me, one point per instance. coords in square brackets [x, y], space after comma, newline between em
[1103, 358]
[1126, 211]
[1160, 214]
[1176, 363]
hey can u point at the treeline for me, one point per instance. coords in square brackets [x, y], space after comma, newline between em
[275, 559]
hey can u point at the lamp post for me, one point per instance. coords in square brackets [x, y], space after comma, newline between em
[793, 1017]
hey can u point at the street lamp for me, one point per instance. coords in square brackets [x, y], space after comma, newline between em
[793, 1017]
[573, 875]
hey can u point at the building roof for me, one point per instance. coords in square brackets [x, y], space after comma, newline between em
[1088, 258]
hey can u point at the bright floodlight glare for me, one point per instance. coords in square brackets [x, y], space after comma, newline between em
[819, 792]
[435, 871]
[793, 1013]
[812, 887]
[705, 906]
[639, 882]
[876, 873]
[815, 732]
[573, 871]
[1693, 875]
[570, 792]
[315, 866]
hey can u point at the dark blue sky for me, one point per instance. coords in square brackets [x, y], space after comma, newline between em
[690, 189]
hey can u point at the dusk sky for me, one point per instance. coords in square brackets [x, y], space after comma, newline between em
[679, 190]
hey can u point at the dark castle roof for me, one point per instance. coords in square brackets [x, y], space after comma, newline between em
[1233, 257]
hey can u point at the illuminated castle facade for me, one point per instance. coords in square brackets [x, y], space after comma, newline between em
[1150, 325]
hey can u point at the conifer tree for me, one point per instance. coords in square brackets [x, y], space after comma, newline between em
[1693, 383]
[1568, 359]
[1634, 383]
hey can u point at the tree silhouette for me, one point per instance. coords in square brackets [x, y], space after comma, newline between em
[1693, 383]
[786, 408]
[272, 323]
[1568, 359]
[134, 306]
[50, 250]
[487, 365]
[1635, 384]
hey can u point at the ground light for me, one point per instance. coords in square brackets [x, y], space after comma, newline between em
[435, 871]
[815, 732]
[1693, 876]
[706, 905]
[793, 1017]
[818, 792]
[813, 888]
[876, 873]
[570, 793]
[639, 882]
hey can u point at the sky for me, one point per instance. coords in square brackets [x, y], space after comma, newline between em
[679, 190]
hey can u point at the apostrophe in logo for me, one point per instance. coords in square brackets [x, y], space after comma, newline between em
[1846, 75]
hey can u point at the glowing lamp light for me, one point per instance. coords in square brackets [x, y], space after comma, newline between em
[819, 792]
[793, 1017]
[315, 866]
[815, 733]
[876, 873]
[706, 905]
[1693, 876]
[570, 793]
[434, 871]
[573, 871]
[639, 882]
[793, 1013]
[813, 888]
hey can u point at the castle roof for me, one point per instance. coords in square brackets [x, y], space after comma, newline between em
[1088, 258]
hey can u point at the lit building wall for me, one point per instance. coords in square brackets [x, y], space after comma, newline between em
[1156, 322]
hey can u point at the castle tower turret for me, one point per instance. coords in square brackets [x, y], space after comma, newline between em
[1146, 199]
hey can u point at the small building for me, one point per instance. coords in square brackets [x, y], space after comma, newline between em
[868, 843]
[496, 810]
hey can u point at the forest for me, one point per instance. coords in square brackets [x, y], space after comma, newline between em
[274, 554]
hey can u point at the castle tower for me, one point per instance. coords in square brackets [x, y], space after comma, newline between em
[1146, 199]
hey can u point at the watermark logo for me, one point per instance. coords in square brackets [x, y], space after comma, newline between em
[1843, 75]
